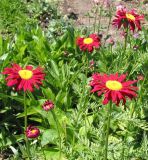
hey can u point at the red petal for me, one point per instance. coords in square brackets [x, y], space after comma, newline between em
[29, 67]
[128, 83]
[105, 101]
[122, 77]
[12, 82]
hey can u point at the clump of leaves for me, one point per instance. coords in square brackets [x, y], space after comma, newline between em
[12, 14]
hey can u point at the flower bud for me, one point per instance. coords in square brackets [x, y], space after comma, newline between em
[48, 105]
[91, 63]
[140, 77]
[32, 132]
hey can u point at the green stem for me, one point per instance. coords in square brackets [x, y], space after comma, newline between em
[124, 49]
[126, 134]
[95, 20]
[123, 148]
[100, 14]
[109, 23]
[57, 125]
[80, 111]
[87, 64]
[111, 51]
[25, 124]
[43, 151]
[107, 131]
[125, 42]
[108, 27]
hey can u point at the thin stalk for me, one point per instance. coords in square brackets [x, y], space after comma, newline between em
[125, 42]
[87, 67]
[124, 48]
[95, 20]
[57, 125]
[85, 61]
[89, 23]
[111, 51]
[100, 14]
[81, 110]
[109, 23]
[145, 143]
[87, 64]
[42, 149]
[25, 124]
[107, 131]
[123, 148]
[126, 134]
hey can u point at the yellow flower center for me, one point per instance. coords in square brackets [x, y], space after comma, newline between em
[25, 74]
[88, 40]
[33, 131]
[130, 16]
[113, 85]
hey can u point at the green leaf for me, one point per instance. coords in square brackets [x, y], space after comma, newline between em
[53, 154]
[49, 136]
[48, 93]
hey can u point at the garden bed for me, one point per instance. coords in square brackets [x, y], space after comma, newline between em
[73, 80]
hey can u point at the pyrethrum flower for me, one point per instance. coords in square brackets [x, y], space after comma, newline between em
[128, 19]
[32, 132]
[48, 105]
[89, 43]
[24, 78]
[114, 87]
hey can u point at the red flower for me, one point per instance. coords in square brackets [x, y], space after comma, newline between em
[32, 132]
[127, 18]
[88, 44]
[48, 105]
[113, 87]
[25, 79]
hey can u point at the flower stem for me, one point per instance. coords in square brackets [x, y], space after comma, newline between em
[42, 149]
[100, 15]
[123, 147]
[107, 131]
[87, 64]
[57, 125]
[124, 48]
[125, 42]
[25, 124]
[109, 23]
[95, 20]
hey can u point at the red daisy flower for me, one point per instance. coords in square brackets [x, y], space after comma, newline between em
[24, 79]
[32, 132]
[113, 87]
[89, 43]
[48, 105]
[127, 18]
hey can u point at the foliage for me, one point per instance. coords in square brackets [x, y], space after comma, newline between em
[76, 126]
